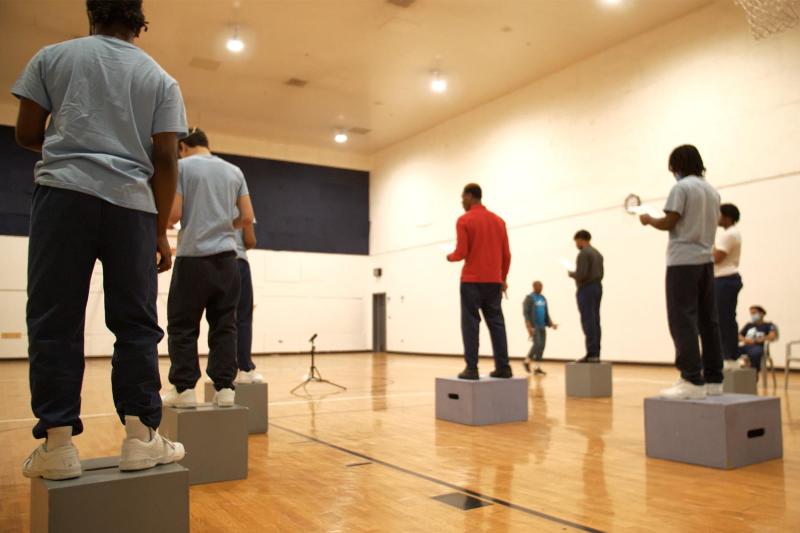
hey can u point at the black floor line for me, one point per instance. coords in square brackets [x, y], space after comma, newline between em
[443, 483]
[359, 464]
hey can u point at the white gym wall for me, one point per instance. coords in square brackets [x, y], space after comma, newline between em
[562, 153]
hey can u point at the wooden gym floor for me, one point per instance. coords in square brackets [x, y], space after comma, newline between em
[374, 458]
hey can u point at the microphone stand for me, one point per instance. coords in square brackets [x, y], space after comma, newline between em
[314, 375]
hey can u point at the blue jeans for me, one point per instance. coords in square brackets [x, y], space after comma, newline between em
[539, 342]
[727, 291]
[486, 298]
[69, 232]
[589, 298]
[244, 318]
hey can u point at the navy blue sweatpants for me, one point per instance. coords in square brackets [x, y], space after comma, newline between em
[69, 232]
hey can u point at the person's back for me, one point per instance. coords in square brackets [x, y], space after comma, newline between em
[487, 257]
[105, 118]
[692, 238]
[107, 98]
[210, 187]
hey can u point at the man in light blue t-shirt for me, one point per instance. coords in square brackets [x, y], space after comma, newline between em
[245, 240]
[212, 204]
[691, 215]
[104, 188]
[537, 320]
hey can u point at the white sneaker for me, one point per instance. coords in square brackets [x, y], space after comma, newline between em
[61, 463]
[224, 397]
[186, 398]
[714, 389]
[140, 455]
[249, 377]
[730, 364]
[683, 390]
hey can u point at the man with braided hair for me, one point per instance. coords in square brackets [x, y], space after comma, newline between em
[104, 188]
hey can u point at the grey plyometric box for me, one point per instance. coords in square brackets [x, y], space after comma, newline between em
[254, 396]
[727, 431]
[215, 439]
[105, 499]
[589, 380]
[740, 380]
[482, 402]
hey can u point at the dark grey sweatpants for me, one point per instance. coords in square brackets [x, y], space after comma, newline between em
[209, 284]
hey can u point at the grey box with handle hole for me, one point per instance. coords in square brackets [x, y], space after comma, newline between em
[727, 431]
[482, 402]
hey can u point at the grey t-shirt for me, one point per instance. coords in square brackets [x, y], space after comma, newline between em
[210, 188]
[107, 98]
[692, 238]
[241, 249]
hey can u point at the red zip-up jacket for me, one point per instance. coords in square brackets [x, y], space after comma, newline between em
[483, 244]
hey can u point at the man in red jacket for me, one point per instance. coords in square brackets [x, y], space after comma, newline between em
[483, 245]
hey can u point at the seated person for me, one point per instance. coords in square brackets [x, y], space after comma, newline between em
[755, 334]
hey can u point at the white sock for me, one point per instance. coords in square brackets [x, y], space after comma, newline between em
[135, 429]
[58, 437]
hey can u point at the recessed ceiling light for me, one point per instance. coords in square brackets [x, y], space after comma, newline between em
[235, 44]
[438, 83]
[610, 2]
[340, 137]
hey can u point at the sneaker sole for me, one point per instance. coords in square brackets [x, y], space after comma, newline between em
[55, 475]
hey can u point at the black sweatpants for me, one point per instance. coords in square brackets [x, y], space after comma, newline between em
[692, 312]
[209, 284]
[69, 232]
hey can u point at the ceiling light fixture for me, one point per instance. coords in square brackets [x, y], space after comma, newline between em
[340, 137]
[611, 2]
[235, 44]
[438, 83]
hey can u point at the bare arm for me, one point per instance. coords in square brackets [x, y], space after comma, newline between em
[665, 223]
[177, 210]
[249, 236]
[246, 215]
[719, 256]
[31, 123]
[164, 183]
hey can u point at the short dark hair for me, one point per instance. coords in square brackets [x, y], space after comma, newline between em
[474, 189]
[759, 308]
[125, 13]
[686, 161]
[582, 235]
[730, 211]
[196, 137]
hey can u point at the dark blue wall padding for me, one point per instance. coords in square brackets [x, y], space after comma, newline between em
[16, 184]
[299, 207]
[307, 208]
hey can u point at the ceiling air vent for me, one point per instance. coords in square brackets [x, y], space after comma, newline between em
[204, 64]
[401, 3]
[296, 82]
[359, 131]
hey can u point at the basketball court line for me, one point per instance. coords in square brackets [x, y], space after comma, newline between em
[443, 483]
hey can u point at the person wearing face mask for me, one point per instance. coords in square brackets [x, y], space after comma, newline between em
[690, 216]
[755, 334]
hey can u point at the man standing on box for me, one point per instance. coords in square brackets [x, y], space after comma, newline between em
[482, 243]
[212, 203]
[588, 276]
[245, 240]
[104, 188]
[727, 281]
[691, 215]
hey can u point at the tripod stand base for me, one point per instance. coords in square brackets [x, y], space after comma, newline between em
[314, 376]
